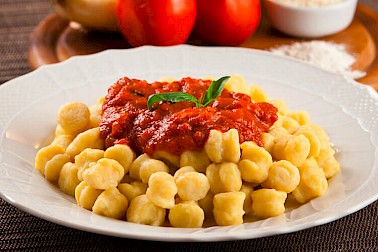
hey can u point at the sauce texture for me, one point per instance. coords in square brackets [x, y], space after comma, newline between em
[176, 127]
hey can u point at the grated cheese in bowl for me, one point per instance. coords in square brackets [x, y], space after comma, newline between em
[310, 3]
[329, 56]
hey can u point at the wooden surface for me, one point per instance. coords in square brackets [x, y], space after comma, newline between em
[55, 40]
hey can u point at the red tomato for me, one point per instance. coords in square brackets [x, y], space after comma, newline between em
[156, 22]
[227, 22]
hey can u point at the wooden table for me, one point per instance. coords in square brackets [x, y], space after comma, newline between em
[56, 39]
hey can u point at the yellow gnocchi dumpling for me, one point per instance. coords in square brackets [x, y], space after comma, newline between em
[236, 83]
[183, 170]
[54, 165]
[134, 170]
[267, 141]
[322, 135]
[141, 210]
[279, 121]
[95, 112]
[268, 202]
[128, 179]
[228, 208]
[151, 166]
[207, 203]
[68, 178]
[170, 159]
[255, 163]
[223, 147]
[59, 131]
[88, 139]
[133, 189]
[283, 176]
[224, 177]
[278, 132]
[74, 117]
[62, 140]
[186, 214]
[104, 174]
[257, 94]
[162, 189]
[86, 195]
[302, 117]
[295, 149]
[111, 203]
[192, 186]
[310, 134]
[247, 189]
[280, 105]
[45, 154]
[197, 159]
[327, 161]
[313, 182]
[289, 124]
[86, 158]
[122, 153]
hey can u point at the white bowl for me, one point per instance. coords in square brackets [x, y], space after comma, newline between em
[310, 22]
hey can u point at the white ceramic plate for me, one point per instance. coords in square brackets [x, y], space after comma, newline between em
[347, 110]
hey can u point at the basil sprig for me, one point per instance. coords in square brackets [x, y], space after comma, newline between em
[213, 92]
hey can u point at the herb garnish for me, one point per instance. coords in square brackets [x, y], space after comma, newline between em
[214, 91]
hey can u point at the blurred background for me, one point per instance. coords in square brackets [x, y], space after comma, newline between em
[18, 19]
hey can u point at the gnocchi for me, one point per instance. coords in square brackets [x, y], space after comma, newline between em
[228, 180]
[292, 148]
[224, 177]
[45, 154]
[229, 208]
[182, 171]
[151, 166]
[54, 165]
[111, 203]
[196, 159]
[73, 117]
[143, 211]
[192, 186]
[162, 189]
[223, 147]
[283, 176]
[86, 195]
[268, 202]
[255, 163]
[86, 158]
[207, 203]
[237, 84]
[122, 154]
[104, 174]
[186, 215]
[133, 189]
[313, 182]
[95, 112]
[87, 139]
[68, 180]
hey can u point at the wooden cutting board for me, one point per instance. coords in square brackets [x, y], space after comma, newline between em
[56, 39]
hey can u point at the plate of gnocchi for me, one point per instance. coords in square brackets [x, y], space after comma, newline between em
[188, 143]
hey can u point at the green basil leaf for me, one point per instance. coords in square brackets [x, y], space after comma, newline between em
[171, 97]
[215, 90]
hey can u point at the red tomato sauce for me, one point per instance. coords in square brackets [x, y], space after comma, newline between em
[176, 127]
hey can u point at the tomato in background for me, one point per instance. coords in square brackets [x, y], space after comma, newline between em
[156, 22]
[227, 22]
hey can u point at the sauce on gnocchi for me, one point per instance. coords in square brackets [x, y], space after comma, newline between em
[235, 161]
[176, 127]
